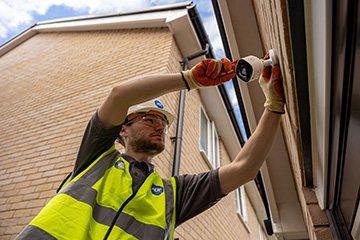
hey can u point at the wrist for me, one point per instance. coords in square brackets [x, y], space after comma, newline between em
[186, 83]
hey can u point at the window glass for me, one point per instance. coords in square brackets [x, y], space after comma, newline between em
[204, 132]
[216, 153]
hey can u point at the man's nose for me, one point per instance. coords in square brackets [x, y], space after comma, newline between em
[159, 127]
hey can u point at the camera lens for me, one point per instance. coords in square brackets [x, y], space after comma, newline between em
[243, 70]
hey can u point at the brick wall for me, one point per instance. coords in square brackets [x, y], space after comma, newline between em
[50, 87]
[274, 30]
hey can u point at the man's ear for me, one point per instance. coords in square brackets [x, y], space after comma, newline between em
[123, 131]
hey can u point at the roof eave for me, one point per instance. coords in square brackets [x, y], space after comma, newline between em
[159, 16]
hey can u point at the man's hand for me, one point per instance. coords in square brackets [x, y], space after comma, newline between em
[209, 72]
[271, 84]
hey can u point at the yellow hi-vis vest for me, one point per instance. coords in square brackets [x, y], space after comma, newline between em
[99, 203]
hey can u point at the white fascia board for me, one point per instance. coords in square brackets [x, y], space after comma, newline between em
[16, 41]
[185, 36]
[177, 21]
[255, 199]
[216, 110]
[119, 22]
[274, 211]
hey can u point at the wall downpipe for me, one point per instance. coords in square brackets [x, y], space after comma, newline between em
[180, 118]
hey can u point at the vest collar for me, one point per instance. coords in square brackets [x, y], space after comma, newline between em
[148, 166]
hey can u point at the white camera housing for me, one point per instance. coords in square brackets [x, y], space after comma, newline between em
[250, 68]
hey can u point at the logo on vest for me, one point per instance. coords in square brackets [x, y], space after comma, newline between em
[156, 190]
[119, 165]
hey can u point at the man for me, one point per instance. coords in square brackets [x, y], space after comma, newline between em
[118, 196]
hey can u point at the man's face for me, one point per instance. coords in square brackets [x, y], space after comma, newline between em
[146, 134]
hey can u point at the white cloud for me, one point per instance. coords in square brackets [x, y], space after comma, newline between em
[17, 13]
[105, 6]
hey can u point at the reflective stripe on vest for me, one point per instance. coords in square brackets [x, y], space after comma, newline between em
[86, 206]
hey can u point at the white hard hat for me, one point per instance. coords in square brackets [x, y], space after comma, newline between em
[152, 105]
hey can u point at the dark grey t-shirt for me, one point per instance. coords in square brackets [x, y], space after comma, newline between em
[195, 193]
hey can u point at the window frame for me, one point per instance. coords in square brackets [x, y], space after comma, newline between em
[240, 201]
[212, 153]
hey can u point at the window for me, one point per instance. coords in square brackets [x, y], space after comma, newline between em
[204, 132]
[241, 203]
[209, 140]
[215, 159]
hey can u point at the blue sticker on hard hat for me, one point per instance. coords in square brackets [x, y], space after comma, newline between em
[156, 190]
[159, 104]
[119, 165]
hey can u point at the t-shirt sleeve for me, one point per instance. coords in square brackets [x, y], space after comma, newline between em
[196, 193]
[96, 140]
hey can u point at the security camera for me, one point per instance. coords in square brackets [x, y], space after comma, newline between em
[250, 68]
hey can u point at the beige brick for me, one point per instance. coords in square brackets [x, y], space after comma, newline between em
[48, 194]
[6, 215]
[46, 168]
[24, 220]
[19, 205]
[27, 190]
[35, 211]
[22, 213]
[22, 185]
[13, 230]
[44, 187]
[35, 203]
[8, 222]
[57, 179]
[5, 207]
[19, 179]
[34, 176]
[51, 173]
[38, 181]
[31, 196]
[11, 193]
[5, 182]
[14, 199]
[4, 176]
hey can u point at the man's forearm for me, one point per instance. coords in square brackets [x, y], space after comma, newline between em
[249, 160]
[113, 111]
[204, 74]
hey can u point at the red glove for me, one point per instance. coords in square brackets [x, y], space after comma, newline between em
[209, 72]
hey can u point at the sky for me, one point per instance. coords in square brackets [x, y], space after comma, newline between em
[18, 15]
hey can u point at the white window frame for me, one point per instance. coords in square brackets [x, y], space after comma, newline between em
[213, 146]
[215, 158]
[207, 141]
[241, 204]
[261, 233]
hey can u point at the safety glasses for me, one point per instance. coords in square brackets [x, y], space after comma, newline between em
[152, 121]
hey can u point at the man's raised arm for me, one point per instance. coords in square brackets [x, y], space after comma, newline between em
[140, 89]
[247, 163]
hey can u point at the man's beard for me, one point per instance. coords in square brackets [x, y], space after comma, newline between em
[146, 146]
